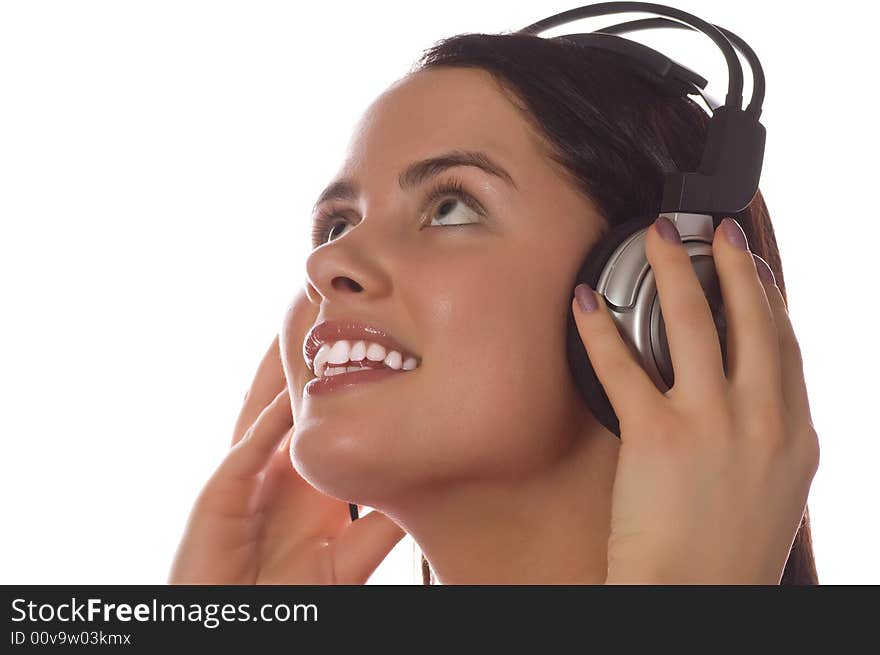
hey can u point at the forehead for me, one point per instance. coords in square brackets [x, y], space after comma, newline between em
[431, 111]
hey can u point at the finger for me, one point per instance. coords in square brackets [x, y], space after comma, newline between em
[281, 475]
[254, 450]
[690, 329]
[280, 468]
[627, 385]
[752, 342]
[363, 546]
[281, 456]
[294, 507]
[794, 387]
[267, 382]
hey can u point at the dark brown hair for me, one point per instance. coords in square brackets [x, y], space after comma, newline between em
[614, 135]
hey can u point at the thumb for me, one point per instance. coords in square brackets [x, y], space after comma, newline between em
[363, 546]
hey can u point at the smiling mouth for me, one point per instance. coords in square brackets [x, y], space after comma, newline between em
[365, 364]
[341, 381]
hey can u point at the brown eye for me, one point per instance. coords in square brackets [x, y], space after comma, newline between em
[324, 226]
[447, 208]
[451, 193]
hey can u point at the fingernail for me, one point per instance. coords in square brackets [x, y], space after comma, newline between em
[667, 230]
[734, 233]
[764, 271]
[586, 297]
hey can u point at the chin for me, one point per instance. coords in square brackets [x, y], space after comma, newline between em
[342, 465]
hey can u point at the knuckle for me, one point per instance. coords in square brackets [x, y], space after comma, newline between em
[655, 424]
[765, 423]
[799, 454]
[808, 445]
[716, 420]
[709, 414]
[795, 346]
[667, 429]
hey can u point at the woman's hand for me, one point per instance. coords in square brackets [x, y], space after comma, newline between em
[256, 521]
[713, 475]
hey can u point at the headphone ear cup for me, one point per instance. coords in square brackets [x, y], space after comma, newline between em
[591, 270]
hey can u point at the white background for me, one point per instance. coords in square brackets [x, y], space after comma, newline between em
[158, 161]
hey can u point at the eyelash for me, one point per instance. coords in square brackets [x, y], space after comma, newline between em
[444, 190]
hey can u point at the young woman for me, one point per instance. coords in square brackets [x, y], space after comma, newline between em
[483, 451]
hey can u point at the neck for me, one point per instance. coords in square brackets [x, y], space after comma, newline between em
[550, 527]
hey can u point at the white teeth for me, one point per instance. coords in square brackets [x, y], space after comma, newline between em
[321, 359]
[345, 351]
[358, 350]
[336, 370]
[339, 353]
[393, 360]
[375, 353]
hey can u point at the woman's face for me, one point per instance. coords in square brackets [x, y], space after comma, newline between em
[482, 300]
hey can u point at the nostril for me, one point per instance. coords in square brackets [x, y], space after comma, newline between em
[348, 282]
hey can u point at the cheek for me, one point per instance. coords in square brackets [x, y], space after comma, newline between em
[495, 389]
[298, 319]
[497, 413]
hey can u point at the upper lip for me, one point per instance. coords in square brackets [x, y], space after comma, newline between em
[353, 330]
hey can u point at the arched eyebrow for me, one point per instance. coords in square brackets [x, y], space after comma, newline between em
[417, 172]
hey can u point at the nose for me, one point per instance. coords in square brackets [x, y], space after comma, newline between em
[335, 271]
[339, 283]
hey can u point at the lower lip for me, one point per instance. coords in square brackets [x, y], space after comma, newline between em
[322, 385]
